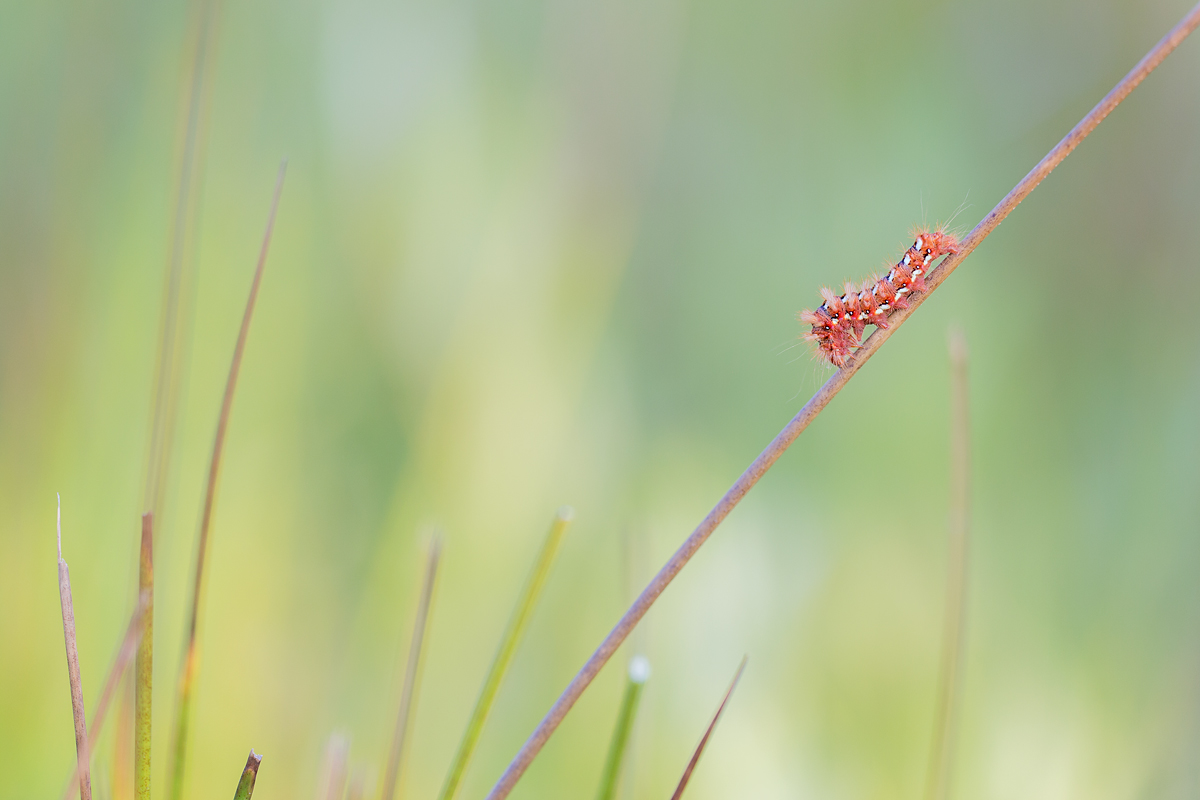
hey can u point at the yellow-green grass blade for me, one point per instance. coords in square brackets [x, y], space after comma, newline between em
[639, 672]
[508, 647]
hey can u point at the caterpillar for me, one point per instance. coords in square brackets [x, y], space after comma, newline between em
[839, 322]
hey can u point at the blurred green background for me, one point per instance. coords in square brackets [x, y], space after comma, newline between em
[542, 252]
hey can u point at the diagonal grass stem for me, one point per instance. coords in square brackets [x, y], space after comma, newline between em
[767, 458]
[691, 767]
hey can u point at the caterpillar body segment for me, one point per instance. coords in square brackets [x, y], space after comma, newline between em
[839, 322]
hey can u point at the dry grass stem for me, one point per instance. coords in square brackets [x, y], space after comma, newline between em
[174, 330]
[144, 668]
[190, 664]
[168, 370]
[245, 787]
[691, 767]
[765, 460]
[941, 756]
[125, 654]
[77, 710]
[508, 647]
[635, 681]
[411, 673]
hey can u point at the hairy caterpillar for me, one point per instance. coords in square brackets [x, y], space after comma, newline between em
[839, 322]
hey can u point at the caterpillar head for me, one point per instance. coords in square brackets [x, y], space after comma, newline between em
[932, 245]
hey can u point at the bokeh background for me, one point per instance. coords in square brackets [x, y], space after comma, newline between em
[545, 252]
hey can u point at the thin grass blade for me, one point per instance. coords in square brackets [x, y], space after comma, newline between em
[175, 327]
[125, 655]
[941, 755]
[635, 680]
[175, 330]
[144, 668]
[245, 787]
[73, 676]
[411, 673]
[508, 647]
[687, 773]
[190, 664]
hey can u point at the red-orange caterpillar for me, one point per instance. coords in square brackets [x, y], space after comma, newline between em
[839, 322]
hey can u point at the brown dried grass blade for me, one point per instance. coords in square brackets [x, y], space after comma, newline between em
[76, 681]
[411, 673]
[175, 330]
[190, 664]
[687, 773]
[174, 325]
[125, 654]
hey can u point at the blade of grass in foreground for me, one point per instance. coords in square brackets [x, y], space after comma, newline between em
[395, 758]
[190, 665]
[175, 330]
[941, 754]
[817, 403]
[334, 768]
[245, 787]
[639, 672]
[508, 647]
[687, 773]
[129, 644]
[77, 710]
[144, 668]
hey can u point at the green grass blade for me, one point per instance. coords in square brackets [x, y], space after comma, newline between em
[639, 671]
[249, 775]
[508, 647]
